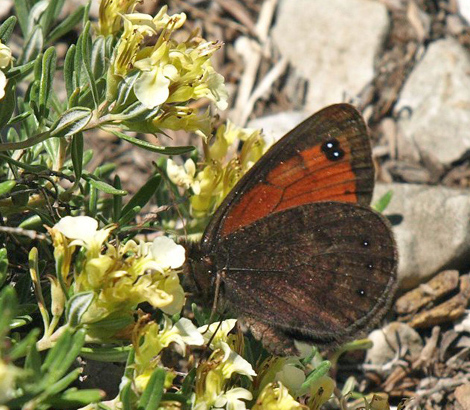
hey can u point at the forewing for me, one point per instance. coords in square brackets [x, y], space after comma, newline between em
[320, 271]
[325, 158]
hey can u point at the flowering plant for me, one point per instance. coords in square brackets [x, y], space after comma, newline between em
[80, 275]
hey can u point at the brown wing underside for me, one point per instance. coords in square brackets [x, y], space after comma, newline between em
[326, 158]
[319, 272]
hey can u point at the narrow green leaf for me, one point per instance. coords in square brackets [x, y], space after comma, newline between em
[103, 186]
[106, 354]
[74, 398]
[7, 28]
[77, 156]
[3, 266]
[77, 305]
[150, 147]
[21, 71]
[8, 104]
[21, 348]
[125, 219]
[187, 386]
[152, 394]
[71, 122]
[34, 45]
[98, 58]
[23, 165]
[8, 306]
[33, 360]
[61, 384]
[78, 61]
[69, 70]
[50, 14]
[22, 11]
[320, 371]
[33, 222]
[66, 25]
[117, 200]
[86, 55]
[383, 202]
[49, 62]
[125, 396]
[143, 195]
[20, 117]
[6, 186]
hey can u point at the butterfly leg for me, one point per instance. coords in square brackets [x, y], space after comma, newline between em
[274, 340]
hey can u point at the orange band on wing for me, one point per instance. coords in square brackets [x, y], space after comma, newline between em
[307, 177]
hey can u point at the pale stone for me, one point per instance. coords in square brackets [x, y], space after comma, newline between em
[332, 43]
[436, 97]
[432, 229]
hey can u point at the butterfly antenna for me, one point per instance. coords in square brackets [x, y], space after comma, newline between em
[218, 280]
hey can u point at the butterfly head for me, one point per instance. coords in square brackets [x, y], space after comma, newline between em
[199, 272]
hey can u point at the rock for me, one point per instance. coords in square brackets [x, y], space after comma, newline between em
[388, 341]
[432, 229]
[464, 9]
[275, 126]
[437, 99]
[462, 395]
[332, 43]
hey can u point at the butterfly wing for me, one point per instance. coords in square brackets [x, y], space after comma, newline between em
[325, 158]
[325, 277]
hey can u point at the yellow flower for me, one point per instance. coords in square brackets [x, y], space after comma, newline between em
[320, 392]
[219, 341]
[110, 15]
[150, 340]
[212, 376]
[275, 396]
[5, 55]
[282, 369]
[181, 175]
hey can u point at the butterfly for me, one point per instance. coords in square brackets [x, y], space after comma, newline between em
[295, 251]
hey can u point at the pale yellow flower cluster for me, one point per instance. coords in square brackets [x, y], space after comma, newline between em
[221, 169]
[165, 74]
[149, 340]
[213, 375]
[121, 276]
[5, 62]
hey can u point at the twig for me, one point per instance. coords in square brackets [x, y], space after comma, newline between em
[23, 232]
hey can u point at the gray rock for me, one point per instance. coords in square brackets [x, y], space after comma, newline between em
[432, 229]
[275, 126]
[332, 43]
[437, 96]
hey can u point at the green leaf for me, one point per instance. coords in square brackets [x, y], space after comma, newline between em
[7, 28]
[8, 104]
[49, 62]
[66, 25]
[117, 200]
[74, 398]
[20, 117]
[102, 186]
[33, 222]
[34, 45]
[152, 394]
[23, 165]
[76, 307]
[125, 219]
[98, 57]
[21, 348]
[383, 202]
[3, 266]
[86, 55]
[6, 186]
[8, 306]
[33, 360]
[69, 70]
[50, 14]
[143, 195]
[320, 371]
[21, 71]
[22, 11]
[77, 156]
[61, 384]
[106, 354]
[125, 396]
[150, 147]
[71, 122]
